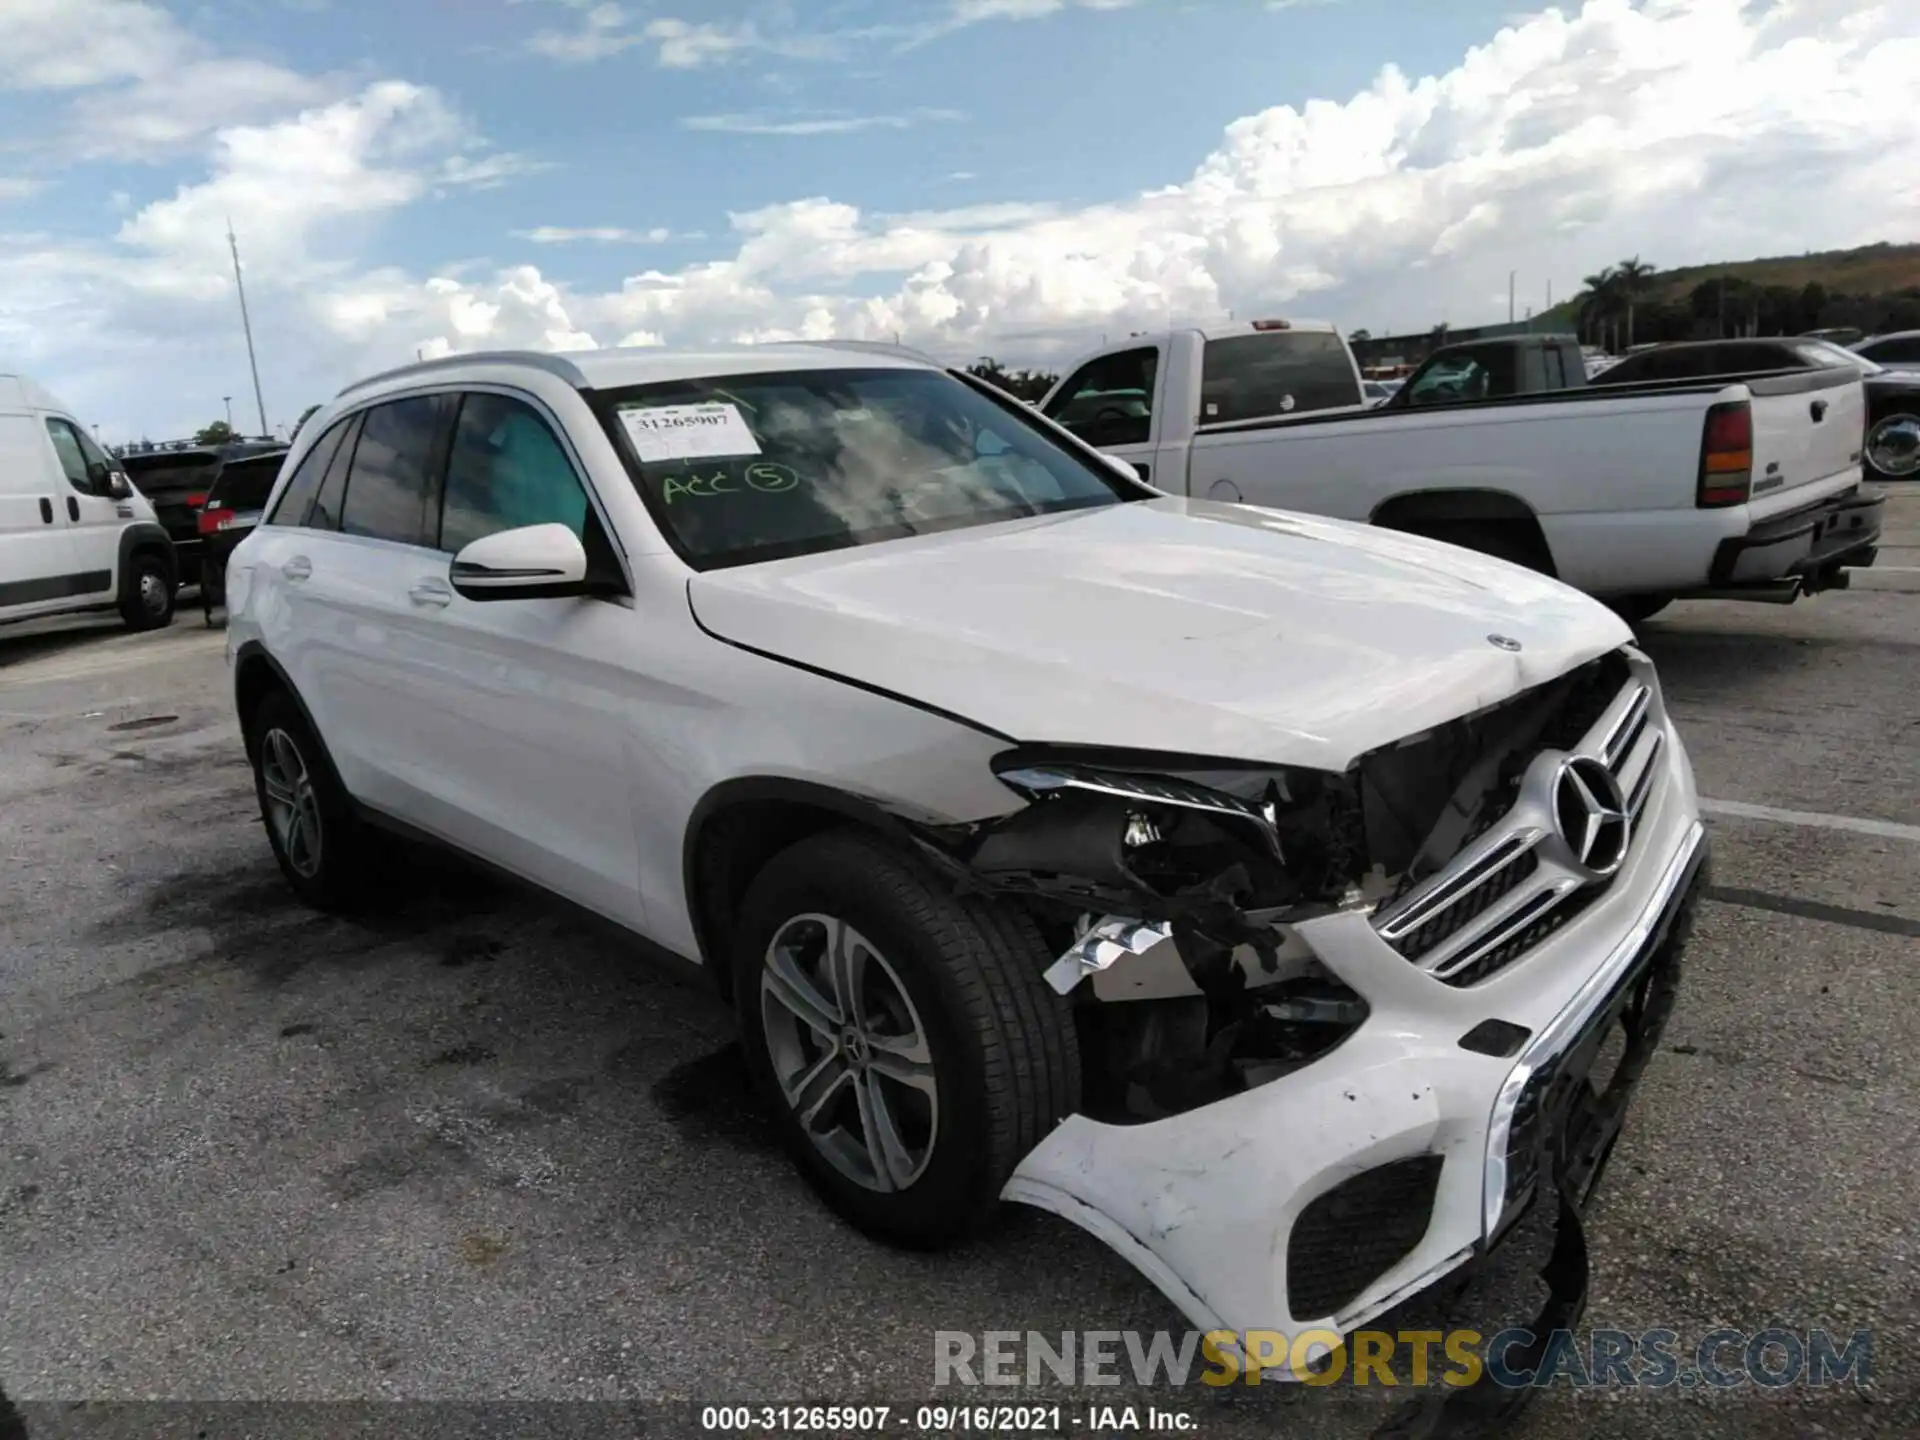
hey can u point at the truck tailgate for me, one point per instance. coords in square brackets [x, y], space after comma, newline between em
[1807, 427]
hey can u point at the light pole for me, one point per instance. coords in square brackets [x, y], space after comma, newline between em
[1513, 279]
[229, 403]
[246, 324]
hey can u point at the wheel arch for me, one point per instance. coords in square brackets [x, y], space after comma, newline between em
[256, 674]
[1411, 510]
[143, 537]
[741, 824]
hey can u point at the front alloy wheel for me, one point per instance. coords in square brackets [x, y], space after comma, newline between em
[850, 1052]
[901, 1033]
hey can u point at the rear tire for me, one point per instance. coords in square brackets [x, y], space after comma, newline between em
[317, 839]
[146, 592]
[950, 1062]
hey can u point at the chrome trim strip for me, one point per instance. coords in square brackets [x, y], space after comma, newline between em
[1618, 739]
[1571, 1020]
[1511, 921]
[1465, 873]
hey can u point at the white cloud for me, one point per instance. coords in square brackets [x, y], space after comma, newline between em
[815, 124]
[142, 85]
[1681, 130]
[600, 234]
[18, 187]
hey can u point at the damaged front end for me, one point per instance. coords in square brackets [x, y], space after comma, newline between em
[1175, 884]
[1331, 1025]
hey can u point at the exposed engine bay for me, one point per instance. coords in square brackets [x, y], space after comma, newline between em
[1168, 885]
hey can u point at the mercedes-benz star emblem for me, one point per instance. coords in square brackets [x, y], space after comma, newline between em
[1590, 814]
[1503, 642]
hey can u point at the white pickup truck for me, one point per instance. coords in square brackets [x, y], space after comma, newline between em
[1729, 487]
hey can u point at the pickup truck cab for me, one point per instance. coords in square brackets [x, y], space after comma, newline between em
[1494, 369]
[1742, 487]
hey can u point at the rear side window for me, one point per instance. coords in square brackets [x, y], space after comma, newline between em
[245, 484]
[1285, 372]
[389, 494]
[297, 498]
[325, 514]
[1109, 401]
[505, 470]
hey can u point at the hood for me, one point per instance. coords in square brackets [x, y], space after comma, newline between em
[1171, 625]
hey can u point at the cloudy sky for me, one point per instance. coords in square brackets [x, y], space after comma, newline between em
[1009, 177]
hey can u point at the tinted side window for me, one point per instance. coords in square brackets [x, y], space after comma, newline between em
[1253, 377]
[245, 484]
[388, 489]
[298, 496]
[506, 469]
[1109, 401]
[1903, 351]
[325, 514]
[1452, 380]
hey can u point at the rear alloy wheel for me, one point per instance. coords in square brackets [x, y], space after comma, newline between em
[903, 1035]
[146, 593]
[315, 835]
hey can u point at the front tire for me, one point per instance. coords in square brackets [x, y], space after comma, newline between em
[146, 592]
[1635, 608]
[903, 1036]
[316, 838]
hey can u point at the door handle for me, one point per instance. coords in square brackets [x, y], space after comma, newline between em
[46, 510]
[298, 568]
[430, 592]
[73, 508]
[1818, 410]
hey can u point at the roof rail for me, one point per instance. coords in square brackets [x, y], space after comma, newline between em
[865, 347]
[538, 359]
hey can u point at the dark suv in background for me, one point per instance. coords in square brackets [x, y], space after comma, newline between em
[176, 483]
[227, 516]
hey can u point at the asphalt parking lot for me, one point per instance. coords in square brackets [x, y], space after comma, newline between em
[473, 1150]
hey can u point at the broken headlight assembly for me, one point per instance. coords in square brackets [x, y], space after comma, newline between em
[1182, 875]
[1159, 838]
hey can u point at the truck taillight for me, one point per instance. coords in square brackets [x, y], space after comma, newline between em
[1726, 456]
[213, 521]
[194, 502]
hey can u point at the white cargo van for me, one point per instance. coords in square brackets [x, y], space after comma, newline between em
[74, 533]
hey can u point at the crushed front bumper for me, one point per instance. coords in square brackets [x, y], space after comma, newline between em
[1324, 1198]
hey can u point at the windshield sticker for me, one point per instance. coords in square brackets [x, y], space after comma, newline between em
[763, 476]
[688, 432]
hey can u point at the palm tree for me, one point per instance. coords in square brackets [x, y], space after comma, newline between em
[1632, 277]
[1598, 304]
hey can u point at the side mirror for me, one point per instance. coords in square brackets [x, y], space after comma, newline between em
[119, 487]
[531, 563]
[1126, 469]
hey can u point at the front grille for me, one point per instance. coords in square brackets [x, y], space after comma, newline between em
[1509, 888]
[1501, 882]
[1349, 1237]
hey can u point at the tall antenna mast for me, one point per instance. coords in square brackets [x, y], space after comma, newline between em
[246, 324]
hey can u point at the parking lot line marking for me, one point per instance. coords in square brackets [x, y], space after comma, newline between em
[1814, 910]
[1884, 829]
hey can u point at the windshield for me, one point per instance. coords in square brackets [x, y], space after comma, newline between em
[759, 467]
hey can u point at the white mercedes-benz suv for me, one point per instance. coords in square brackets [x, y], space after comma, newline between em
[1253, 890]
